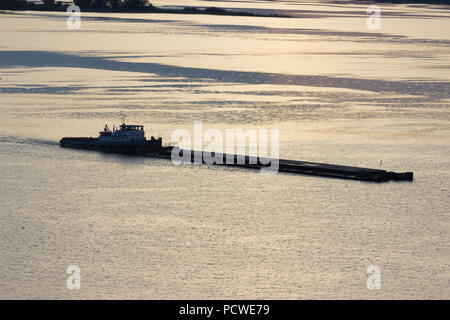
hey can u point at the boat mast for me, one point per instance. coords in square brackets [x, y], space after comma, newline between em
[122, 117]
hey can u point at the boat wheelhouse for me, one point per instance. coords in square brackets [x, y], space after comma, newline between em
[125, 134]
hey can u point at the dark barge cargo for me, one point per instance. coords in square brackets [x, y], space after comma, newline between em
[130, 139]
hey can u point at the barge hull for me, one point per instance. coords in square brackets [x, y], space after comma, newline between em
[299, 167]
[287, 166]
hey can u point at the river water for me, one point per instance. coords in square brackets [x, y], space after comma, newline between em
[337, 91]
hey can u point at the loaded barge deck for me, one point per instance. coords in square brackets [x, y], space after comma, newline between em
[297, 167]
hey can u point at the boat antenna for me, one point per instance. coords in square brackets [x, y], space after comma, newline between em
[122, 117]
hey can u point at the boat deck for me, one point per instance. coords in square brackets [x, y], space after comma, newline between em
[298, 167]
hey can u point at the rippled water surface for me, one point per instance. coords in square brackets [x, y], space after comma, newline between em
[143, 228]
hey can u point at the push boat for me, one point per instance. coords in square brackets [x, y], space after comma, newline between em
[127, 139]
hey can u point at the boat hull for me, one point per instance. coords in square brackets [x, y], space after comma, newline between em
[139, 148]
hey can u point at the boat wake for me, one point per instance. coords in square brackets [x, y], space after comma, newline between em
[28, 141]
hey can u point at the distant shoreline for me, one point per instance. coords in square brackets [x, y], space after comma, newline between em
[55, 6]
[58, 6]
[438, 2]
